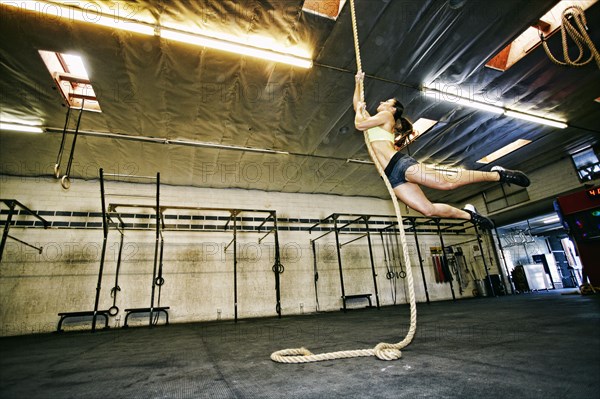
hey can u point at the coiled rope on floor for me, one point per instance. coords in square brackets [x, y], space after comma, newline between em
[383, 351]
[579, 36]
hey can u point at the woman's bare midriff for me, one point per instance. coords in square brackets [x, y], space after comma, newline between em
[384, 151]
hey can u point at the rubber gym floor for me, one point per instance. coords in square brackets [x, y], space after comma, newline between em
[536, 345]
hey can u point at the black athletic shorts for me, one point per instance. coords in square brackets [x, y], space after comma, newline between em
[396, 169]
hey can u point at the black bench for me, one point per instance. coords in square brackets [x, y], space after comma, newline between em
[158, 309]
[66, 315]
[357, 296]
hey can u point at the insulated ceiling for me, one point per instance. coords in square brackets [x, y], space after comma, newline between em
[152, 87]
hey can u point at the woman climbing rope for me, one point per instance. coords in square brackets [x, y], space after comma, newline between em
[386, 130]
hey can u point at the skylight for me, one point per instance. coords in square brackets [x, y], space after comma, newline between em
[530, 38]
[504, 151]
[74, 64]
[72, 80]
[421, 126]
[329, 9]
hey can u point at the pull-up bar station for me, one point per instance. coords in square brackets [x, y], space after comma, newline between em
[345, 223]
[338, 229]
[260, 221]
[113, 216]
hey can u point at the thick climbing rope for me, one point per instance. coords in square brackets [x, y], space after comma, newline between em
[579, 36]
[383, 351]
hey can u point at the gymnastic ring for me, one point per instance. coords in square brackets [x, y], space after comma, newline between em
[278, 268]
[113, 310]
[57, 171]
[159, 281]
[65, 182]
[389, 275]
[402, 274]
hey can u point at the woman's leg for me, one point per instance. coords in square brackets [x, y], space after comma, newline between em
[427, 176]
[412, 195]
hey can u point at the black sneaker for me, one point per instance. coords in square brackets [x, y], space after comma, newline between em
[512, 176]
[477, 218]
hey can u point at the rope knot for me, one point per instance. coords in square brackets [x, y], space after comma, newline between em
[385, 351]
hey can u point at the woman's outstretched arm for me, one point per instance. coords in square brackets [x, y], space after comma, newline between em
[359, 79]
[363, 120]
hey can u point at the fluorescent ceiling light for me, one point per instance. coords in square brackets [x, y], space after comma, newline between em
[250, 40]
[252, 45]
[20, 128]
[71, 11]
[484, 107]
[448, 97]
[537, 119]
[515, 145]
[236, 48]
[111, 22]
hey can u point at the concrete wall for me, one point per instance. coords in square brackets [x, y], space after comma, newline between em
[198, 274]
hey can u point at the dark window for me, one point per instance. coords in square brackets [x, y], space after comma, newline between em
[503, 196]
[587, 165]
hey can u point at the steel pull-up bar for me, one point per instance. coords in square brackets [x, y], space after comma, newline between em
[322, 235]
[130, 176]
[130, 195]
[352, 222]
[12, 204]
[335, 216]
[272, 215]
[322, 221]
[265, 236]
[40, 249]
[464, 242]
[351, 241]
[233, 214]
[228, 245]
